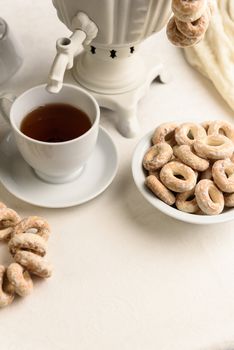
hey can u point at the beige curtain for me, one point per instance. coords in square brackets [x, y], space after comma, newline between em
[214, 56]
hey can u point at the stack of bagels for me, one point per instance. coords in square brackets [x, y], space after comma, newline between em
[190, 21]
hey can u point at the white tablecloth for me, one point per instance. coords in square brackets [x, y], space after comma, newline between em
[126, 276]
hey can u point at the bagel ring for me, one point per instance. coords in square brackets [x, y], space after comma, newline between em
[33, 222]
[214, 147]
[194, 29]
[229, 200]
[188, 133]
[157, 156]
[33, 263]
[8, 219]
[160, 190]
[187, 10]
[177, 38]
[206, 124]
[223, 175]
[165, 133]
[188, 157]
[29, 248]
[209, 198]
[222, 127]
[178, 177]
[29, 242]
[187, 202]
[6, 297]
[19, 279]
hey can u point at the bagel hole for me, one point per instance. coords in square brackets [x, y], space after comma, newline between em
[169, 136]
[190, 135]
[229, 173]
[179, 176]
[190, 198]
[30, 250]
[7, 286]
[33, 251]
[194, 23]
[222, 132]
[212, 194]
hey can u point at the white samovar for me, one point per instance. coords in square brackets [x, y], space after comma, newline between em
[110, 66]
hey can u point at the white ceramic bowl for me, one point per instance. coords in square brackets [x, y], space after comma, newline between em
[139, 178]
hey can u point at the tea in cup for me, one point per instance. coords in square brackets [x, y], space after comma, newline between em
[55, 133]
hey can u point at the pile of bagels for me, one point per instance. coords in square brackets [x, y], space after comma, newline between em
[190, 21]
[191, 166]
[27, 243]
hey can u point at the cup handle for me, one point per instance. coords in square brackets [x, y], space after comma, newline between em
[6, 101]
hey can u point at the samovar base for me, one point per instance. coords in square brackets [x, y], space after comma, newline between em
[125, 104]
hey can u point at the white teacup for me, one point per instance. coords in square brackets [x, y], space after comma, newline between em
[53, 162]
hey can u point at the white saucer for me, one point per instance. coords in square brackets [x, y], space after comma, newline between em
[19, 179]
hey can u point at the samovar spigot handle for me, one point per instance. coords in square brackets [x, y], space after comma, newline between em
[84, 31]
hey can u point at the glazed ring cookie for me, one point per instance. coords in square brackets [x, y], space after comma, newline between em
[229, 200]
[223, 175]
[27, 241]
[178, 177]
[165, 133]
[187, 202]
[214, 147]
[189, 10]
[188, 133]
[6, 298]
[194, 29]
[223, 128]
[33, 263]
[209, 198]
[157, 156]
[160, 190]
[33, 222]
[177, 38]
[188, 157]
[19, 279]
[8, 219]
